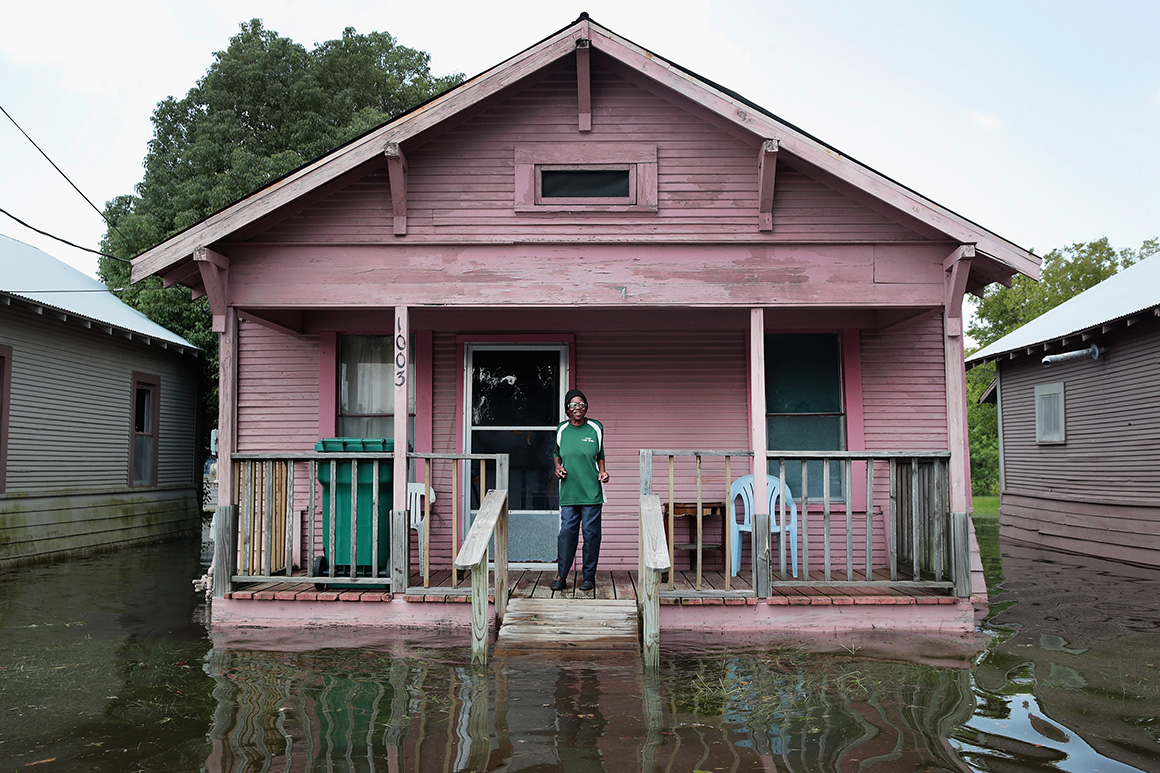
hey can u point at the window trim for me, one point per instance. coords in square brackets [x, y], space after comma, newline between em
[5, 404]
[153, 382]
[639, 159]
[1041, 434]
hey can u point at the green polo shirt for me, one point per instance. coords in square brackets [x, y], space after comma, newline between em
[579, 448]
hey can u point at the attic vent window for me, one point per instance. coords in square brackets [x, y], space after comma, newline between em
[586, 176]
[584, 183]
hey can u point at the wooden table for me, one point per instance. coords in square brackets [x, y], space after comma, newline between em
[696, 530]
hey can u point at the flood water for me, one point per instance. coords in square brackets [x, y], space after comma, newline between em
[106, 665]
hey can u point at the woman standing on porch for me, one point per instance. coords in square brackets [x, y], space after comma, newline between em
[580, 469]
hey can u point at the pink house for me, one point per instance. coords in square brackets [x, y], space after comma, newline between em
[731, 293]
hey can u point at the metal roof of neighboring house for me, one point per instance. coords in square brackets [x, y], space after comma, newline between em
[1133, 290]
[44, 281]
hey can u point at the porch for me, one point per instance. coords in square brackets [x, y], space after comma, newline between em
[614, 585]
[870, 522]
[880, 543]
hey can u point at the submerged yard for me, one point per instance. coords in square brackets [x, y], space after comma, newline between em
[107, 664]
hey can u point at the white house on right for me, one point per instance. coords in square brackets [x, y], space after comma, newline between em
[1078, 393]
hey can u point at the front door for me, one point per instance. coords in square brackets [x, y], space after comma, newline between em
[514, 404]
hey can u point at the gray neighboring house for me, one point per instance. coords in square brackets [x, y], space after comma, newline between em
[1078, 391]
[98, 406]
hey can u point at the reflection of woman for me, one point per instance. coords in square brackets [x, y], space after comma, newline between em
[580, 469]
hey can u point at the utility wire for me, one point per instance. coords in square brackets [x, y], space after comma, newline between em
[65, 241]
[110, 223]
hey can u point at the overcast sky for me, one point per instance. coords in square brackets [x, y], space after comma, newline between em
[1038, 119]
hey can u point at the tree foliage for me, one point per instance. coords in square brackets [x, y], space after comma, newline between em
[1065, 273]
[265, 107]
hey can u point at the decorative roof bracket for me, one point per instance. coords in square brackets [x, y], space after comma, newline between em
[766, 173]
[584, 83]
[397, 171]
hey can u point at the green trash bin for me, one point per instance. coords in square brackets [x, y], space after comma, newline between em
[364, 555]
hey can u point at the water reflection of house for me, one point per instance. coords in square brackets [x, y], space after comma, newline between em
[1079, 422]
[98, 406]
[589, 214]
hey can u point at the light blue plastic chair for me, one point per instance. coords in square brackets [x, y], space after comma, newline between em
[743, 487]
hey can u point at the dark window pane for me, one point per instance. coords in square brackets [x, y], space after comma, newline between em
[807, 433]
[803, 373]
[584, 184]
[515, 389]
[816, 470]
[143, 410]
[531, 471]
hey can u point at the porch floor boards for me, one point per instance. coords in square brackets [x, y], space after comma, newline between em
[619, 585]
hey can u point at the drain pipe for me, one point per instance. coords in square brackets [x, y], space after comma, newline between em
[1092, 351]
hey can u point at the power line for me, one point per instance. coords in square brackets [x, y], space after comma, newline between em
[65, 241]
[65, 176]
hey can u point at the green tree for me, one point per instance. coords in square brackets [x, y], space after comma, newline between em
[1065, 272]
[265, 107]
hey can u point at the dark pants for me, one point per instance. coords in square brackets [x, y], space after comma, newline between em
[572, 517]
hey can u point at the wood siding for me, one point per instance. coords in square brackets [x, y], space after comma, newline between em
[72, 407]
[69, 438]
[1098, 493]
[277, 390]
[904, 388]
[462, 184]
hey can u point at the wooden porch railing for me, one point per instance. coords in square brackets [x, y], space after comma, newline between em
[478, 467]
[278, 507]
[894, 503]
[491, 519]
[288, 511]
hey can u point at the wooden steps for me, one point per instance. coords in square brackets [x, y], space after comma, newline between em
[569, 625]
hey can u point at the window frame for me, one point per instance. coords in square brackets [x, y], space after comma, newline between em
[608, 201]
[639, 159]
[842, 414]
[412, 390]
[5, 405]
[1042, 435]
[153, 383]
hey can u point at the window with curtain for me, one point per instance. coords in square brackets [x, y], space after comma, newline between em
[803, 404]
[366, 387]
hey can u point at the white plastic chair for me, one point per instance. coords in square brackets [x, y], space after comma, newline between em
[415, 494]
[743, 487]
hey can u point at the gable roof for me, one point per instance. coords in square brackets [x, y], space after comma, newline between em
[43, 282]
[727, 105]
[1134, 290]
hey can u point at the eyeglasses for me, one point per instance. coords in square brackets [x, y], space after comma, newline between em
[577, 405]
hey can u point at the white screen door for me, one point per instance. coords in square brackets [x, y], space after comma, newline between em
[514, 404]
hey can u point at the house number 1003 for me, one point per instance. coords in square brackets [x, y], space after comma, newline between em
[400, 359]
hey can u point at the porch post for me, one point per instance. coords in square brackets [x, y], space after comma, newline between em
[400, 530]
[225, 516]
[958, 267]
[760, 535]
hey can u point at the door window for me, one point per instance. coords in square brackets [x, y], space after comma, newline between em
[514, 407]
